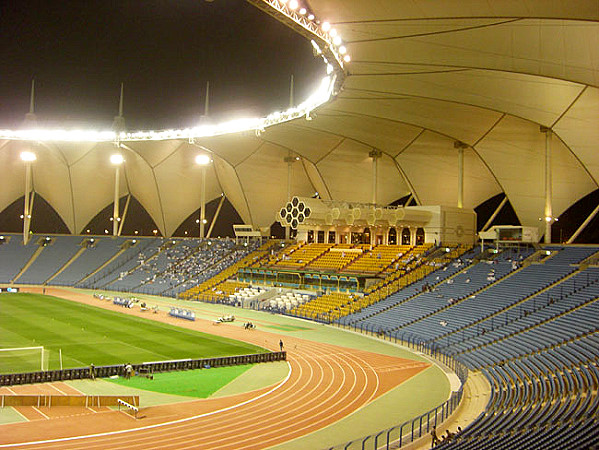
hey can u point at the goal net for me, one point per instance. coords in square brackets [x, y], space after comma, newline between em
[23, 359]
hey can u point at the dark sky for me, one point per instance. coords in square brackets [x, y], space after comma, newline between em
[163, 50]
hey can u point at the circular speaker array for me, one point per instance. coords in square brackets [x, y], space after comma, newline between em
[294, 213]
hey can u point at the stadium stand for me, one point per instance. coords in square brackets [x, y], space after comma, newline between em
[102, 250]
[532, 331]
[327, 307]
[54, 253]
[14, 256]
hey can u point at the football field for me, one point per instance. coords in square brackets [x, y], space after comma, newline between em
[85, 335]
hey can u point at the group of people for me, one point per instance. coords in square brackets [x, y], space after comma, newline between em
[249, 326]
[448, 437]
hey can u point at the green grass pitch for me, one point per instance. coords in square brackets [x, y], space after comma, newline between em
[87, 334]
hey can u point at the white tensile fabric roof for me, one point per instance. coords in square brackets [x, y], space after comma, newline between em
[423, 76]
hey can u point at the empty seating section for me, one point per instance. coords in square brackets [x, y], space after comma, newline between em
[572, 293]
[14, 255]
[378, 259]
[142, 265]
[534, 334]
[440, 272]
[326, 307]
[463, 313]
[336, 258]
[444, 295]
[130, 256]
[543, 400]
[573, 255]
[58, 251]
[104, 248]
[303, 255]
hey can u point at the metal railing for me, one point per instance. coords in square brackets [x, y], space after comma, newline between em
[420, 426]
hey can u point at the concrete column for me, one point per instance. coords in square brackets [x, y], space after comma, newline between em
[548, 185]
[375, 155]
[115, 211]
[203, 202]
[461, 177]
[27, 206]
[460, 146]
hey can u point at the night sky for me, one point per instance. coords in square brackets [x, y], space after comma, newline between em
[164, 51]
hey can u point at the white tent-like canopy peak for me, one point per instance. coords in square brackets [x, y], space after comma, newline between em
[503, 83]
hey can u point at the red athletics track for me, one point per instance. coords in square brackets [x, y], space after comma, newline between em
[326, 383]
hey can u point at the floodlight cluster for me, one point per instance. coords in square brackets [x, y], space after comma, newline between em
[319, 97]
[300, 14]
[326, 43]
[294, 213]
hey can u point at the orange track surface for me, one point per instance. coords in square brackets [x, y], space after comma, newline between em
[326, 383]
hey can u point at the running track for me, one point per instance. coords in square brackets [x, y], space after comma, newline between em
[325, 384]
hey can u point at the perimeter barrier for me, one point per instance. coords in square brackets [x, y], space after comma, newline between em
[407, 432]
[146, 367]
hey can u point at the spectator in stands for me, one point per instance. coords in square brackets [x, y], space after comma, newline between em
[435, 438]
[449, 436]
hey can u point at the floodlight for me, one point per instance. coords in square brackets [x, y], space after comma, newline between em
[342, 50]
[28, 156]
[293, 4]
[333, 32]
[303, 11]
[346, 58]
[310, 16]
[337, 40]
[326, 26]
[117, 159]
[203, 160]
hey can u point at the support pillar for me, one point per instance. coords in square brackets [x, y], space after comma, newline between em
[497, 210]
[375, 155]
[548, 185]
[115, 211]
[289, 159]
[27, 206]
[216, 214]
[203, 202]
[583, 225]
[460, 146]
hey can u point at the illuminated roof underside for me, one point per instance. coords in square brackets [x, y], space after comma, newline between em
[422, 76]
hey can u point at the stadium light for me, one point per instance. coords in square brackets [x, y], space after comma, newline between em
[28, 156]
[117, 159]
[203, 159]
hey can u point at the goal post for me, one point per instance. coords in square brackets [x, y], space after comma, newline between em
[24, 359]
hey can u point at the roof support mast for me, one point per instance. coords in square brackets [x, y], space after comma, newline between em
[548, 185]
[375, 154]
[460, 146]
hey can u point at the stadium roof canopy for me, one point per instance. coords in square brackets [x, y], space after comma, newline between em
[424, 78]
